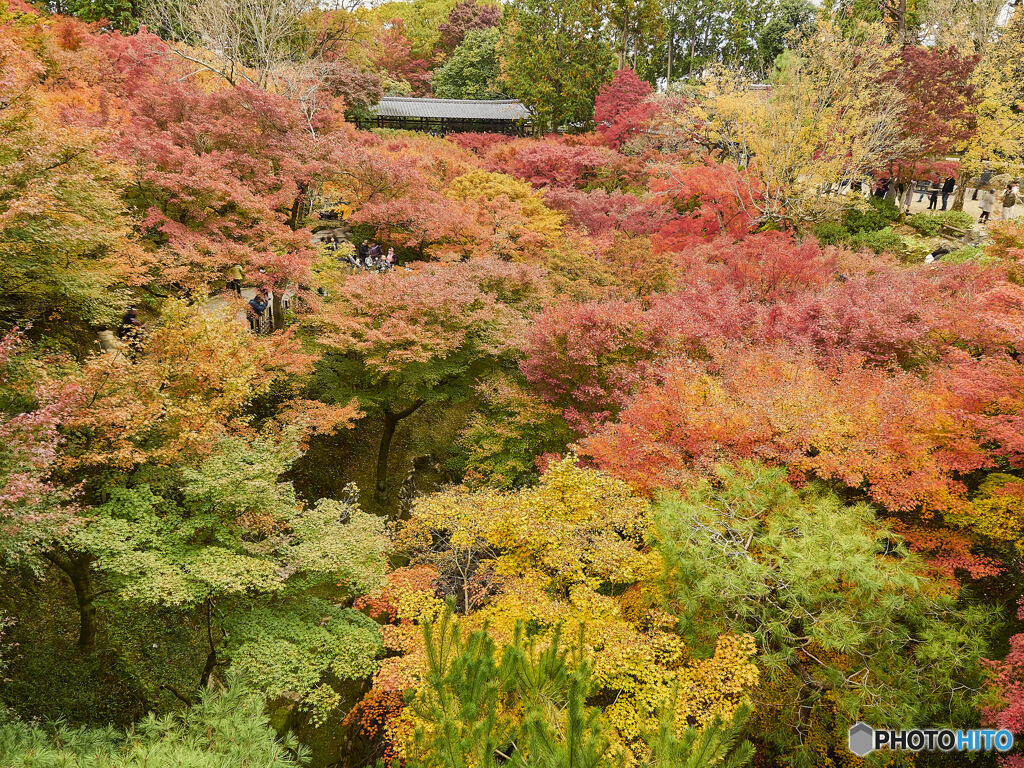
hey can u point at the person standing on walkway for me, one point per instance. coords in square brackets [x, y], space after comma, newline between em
[947, 189]
[1009, 201]
[258, 305]
[987, 203]
[906, 197]
[235, 277]
[933, 197]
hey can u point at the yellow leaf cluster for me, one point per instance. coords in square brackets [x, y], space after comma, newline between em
[996, 513]
[578, 526]
[571, 553]
[510, 211]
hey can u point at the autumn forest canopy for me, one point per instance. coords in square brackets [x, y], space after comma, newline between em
[686, 431]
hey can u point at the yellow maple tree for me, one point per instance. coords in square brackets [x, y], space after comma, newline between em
[514, 216]
[570, 554]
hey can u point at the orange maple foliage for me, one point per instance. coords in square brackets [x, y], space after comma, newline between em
[884, 432]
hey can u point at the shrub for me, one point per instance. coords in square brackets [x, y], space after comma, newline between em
[477, 143]
[222, 729]
[925, 224]
[878, 215]
[967, 253]
[959, 219]
[880, 241]
[929, 224]
[830, 232]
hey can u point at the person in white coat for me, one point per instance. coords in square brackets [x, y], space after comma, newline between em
[986, 202]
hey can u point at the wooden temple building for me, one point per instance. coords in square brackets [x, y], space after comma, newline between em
[450, 115]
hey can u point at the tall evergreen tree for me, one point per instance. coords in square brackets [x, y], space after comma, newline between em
[471, 72]
[553, 58]
[789, 23]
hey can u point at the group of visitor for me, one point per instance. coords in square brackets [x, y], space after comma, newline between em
[1007, 203]
[933, 191]
[369, 255]
[1003, 204]
[902, 193]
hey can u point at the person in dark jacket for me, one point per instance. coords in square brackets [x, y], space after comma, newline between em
[130, 324]
[258, 305]
[943, 250]
[1009, 201]
[947, 189]
[131, 330]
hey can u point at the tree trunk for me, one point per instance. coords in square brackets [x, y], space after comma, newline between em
[293, 224]
[622, 42]
[668, 73]
[211, 664]
[211, 657]
[961, 190]
[78, 569]
[297, 203]
[391, 419]
[81, 578]
[278, 310]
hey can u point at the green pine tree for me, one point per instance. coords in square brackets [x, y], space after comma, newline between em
[720, 743]
[844, 616]
[529, 710]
